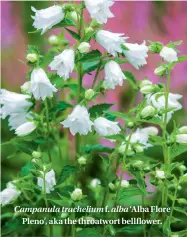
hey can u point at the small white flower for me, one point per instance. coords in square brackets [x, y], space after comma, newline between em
[89, 94]
[160, 174]
[183, 130]
[181, 138]
[17, 119]
[148, 111]
[82, 160]
[50, 181]
[25, 87]
[64, 63]
[25, 129]
[136, 54]
[95, 182]
[84, 47]
[106, 127]
[78, 121]
[125, 184]
[45, 19]
[77, 194]
[110, 41]
[40, 85]
[9, 194]
[53, 40]
[100, 9]
[113, 75]
[13, 103]
[169, 54]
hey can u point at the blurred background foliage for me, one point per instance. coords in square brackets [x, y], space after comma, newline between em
[156, 21]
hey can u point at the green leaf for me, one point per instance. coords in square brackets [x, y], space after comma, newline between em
[88, 232]
[128, 192]
[181, 210]
[25, 170]
[119, 115]
[66, 172]
[87, 36]
[90, 66]
[156, 140]
[130, 78]
[66, 22]
[155, 47]
[98, 148]
[177, 150]
[62, 202]
[97, 110]
[91, 56]
[174, 44]
[73, 87]
[33, 49]
[130, 230]
[117, 137]
[73, 34]
[110, 116]
[124, 47]
[166, 227]
[154, 120]
[63, 106]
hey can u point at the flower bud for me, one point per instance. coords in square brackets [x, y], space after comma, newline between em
[68, 7]
[181, 138]
[32, 57]
[73, 16]
[147, 89]
[183, 129]
[160, 174]
[130, 124]
[122, 150]
[53, 40]
[34, 161]
[36, 154]
[182, 201]
[138, 164]
[111, 186]
[94, 183]
[148, 111]
[155, 47]
[77, 194]
[174, 236]
[160, 71]
[89, 94]
[25, 87]
[88, 30]
[82, 160]
[64, 215]
[182, 167]
[147, 168]
[125, 184]
[138, 148]
[145, 82]
[84, 47]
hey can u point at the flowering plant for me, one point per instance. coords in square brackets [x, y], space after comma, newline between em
[55, 111]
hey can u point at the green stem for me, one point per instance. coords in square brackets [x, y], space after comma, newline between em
[173, 202]
[96, 74]
[48, 130]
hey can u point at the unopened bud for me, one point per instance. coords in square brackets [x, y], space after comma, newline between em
[64, 215]
[111, 186]
[160, 71]
[138, 148]
[88, 29]
[147, 89]
[148, 111]
[125, 184]
[84, 47]
[182, 167]
[82, 160]
[122, 150]
[138, 164]
[89, 94]
[36, 154]
[145, 82]
[94, 183]
[181, 138]
[183, 129]
[32, 57]
[53, 40]
[77, 194]
[73, 16]
[25, 87]
[130, 124]
[160, 174]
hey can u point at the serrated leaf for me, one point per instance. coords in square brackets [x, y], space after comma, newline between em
[90, 66]
[66, 172]
[128, 192]
[97, 110]
[91, 56]
[62, 105]
[73, 34]
[119, 115]
[98, 148]
[131, 79]
[177, 150]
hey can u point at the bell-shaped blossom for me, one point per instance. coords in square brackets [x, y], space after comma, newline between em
[168, 54]
[78, 121]
[158, 101]
[64, 63]
[17, 119]
[113, 75]
[105, 127]
[45, 19]
[142, 136]
[50, 181]
[9, 194]
[40, 85]
[136, 54]
[110, 41]
[25, 129]
[13, 103]
[99, 10]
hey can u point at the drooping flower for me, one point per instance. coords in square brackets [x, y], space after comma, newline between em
[78, 121]
[136, 54]
[45, 19]
[50, 181]
[40, 85]
[77, 194]
[168, 54]
[13, 103]
[99, 9]
[113, 75]
[110, 41]
[64, 63]
[17, 119]
[25, 129]
[106, 127]
[9, 194]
